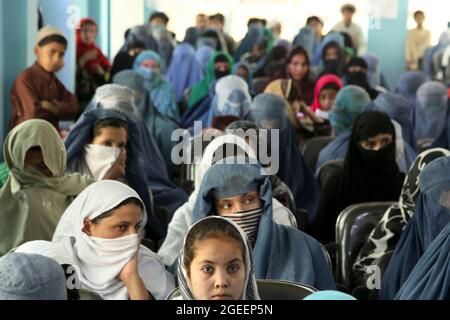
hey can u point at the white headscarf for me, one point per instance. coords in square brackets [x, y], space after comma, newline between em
[47, 249]
[97, 261]
[233, 97]
[208, 155]
[117, 97]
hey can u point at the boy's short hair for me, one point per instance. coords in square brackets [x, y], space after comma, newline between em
[53, 38]
[314, 19]
[220, 17]
[159, 15]
[417, 13]
[48, 35]
[348, 7]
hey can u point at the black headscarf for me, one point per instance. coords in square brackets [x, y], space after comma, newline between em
[274, 62]
[335, 66]
[369, 175]
[360, 78]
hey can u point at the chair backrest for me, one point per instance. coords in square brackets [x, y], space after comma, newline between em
[301, 217]
[283, 290]
[273, 290]
[188, 169]
[283, 193]
[311, 150]
[259, 84]
[353, 227]
[88, 295]
[174, 294]
[328, 170]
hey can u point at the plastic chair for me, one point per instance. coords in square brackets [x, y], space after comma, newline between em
[273, 290]
[283, 290]
[328, 170]
[311, 150]
[353, 227]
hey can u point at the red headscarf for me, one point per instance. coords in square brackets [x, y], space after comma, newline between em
[82, 48]
[322, 82]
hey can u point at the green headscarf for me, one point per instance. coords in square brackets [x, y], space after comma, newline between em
[32, 203]
[201, 90]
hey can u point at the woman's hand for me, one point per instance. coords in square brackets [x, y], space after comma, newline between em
[118, 170]
[130, 270]
[132, 280]
[308, 112]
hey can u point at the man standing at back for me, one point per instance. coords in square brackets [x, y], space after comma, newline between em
[351, 28]
[417, 41]
[218, 21]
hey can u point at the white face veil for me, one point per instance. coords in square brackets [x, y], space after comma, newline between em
[98, 261]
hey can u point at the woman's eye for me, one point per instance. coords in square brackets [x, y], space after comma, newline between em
[249, 200]
[365, 144]
[122, 228]
[207, 269]
[226, 206]
[107, 144]
[233, 268]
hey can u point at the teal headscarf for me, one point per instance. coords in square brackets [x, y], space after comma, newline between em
[160, 126]
[161, 92]
[350, 102]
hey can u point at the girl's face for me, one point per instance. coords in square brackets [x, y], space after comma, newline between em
[111, 137]
[245, 202]
[298, 68]
[327, 98]
[217, 271]
[88, 33]
[125, 221]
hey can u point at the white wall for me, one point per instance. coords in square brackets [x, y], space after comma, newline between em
[124, 15]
